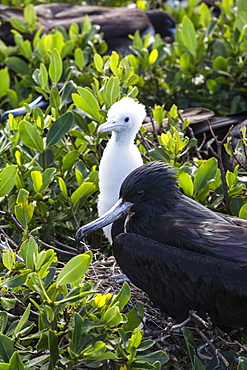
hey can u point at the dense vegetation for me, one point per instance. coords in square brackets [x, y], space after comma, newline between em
[50, 315]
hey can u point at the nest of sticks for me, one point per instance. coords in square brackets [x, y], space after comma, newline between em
[209, 341]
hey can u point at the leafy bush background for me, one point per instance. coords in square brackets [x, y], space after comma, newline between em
[49, 179]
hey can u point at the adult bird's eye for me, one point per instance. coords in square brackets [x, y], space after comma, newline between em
[168, 23]
[140, 193]
[126, 119]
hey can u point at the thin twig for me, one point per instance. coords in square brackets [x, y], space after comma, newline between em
[74, 216]
[216, 351]
[153, 125]
[9, 214]
[235, 342]
[144, 141]
[196, 146]
[207, 324]
[179, 326]
[64, 245]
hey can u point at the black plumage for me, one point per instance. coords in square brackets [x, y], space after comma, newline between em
[39, 102]
[221, 127]
[116, 23]
[183, 255]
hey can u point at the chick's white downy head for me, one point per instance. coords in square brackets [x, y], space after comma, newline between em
[124, 115]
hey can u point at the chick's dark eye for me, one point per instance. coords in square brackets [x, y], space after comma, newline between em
[140, 193]
[126, 119]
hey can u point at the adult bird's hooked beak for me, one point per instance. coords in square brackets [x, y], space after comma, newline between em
[112, 215]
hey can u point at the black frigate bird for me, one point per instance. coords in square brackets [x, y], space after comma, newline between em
[117, 23]
[183, 255]
[220, 127]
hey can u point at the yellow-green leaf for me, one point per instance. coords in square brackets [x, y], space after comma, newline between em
[7, 179]
[74, 269]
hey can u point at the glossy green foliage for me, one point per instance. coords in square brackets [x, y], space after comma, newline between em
[66, 319]
[49, 173]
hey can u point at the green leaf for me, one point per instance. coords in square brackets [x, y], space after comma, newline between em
[37, 360]
[189, 340]
[111, 90]
[63, 187]
[55, 66]
[134, 317]
[185, 61]
[70, 159]
[158, 154]
[86, 189]
[44, 260]
[43, 76]
[205, 15]
[15, 281]
[220, 64]
[153, 56]
[76, 334]
[3, 320]
[7, 179]
[74, 269]
[30, 136]
[15, 362]
[18, 24]
[54, 97]
[186, 183]
[145, 344]
[53, 348]
[135, 339]
[5, 81]
[122, 297]
[242, 363]
[82, 123]
[23, 320]
[212, 85]
[7, 303]
[37, 180]
[227, 7]
[6, 348]
[98, 61]
[98, 349]
[67, 90]
[198, 365]
[8, 258]
[243, 212]
[4, 366]
[152, 357]
[59, 128]
[242, 6]
[205, 174]
[112, 316]
[29, 251]
[47, 176]
[159, 113]
[23, 209]
[18, 65]
[87, 102]
[231, 179]
[30, 15]
[189, 35]
[114, 59]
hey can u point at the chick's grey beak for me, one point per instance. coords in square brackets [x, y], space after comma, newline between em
[112, 215]
[107, 126]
